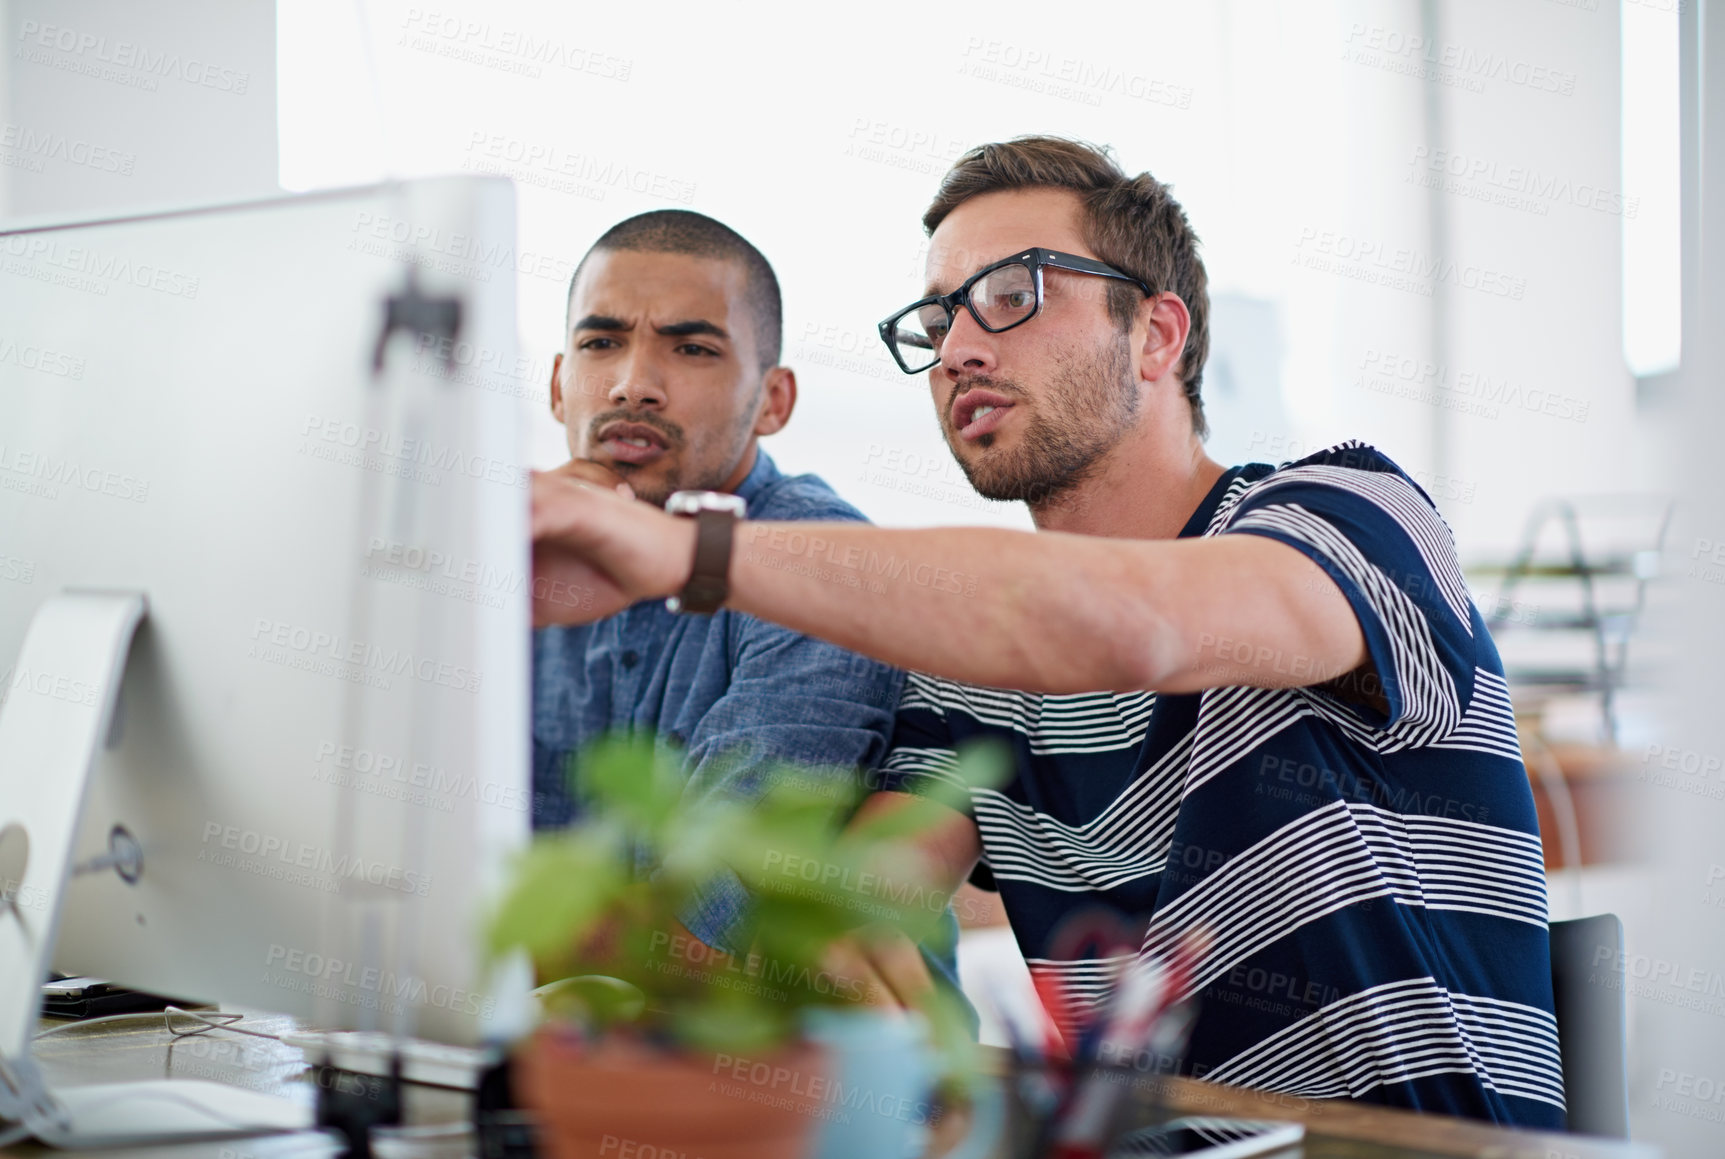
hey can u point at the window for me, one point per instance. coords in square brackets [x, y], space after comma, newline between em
[1652, 166]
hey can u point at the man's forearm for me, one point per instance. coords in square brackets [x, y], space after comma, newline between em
[950, 846]
[944, 854]
[1044, 612]
[1040, 612]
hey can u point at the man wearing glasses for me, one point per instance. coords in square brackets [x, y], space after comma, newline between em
[1252, 709]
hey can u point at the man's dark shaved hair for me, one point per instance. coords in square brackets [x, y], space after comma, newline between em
[683, 231]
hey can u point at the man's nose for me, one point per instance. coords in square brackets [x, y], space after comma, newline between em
[641, 385]
[967, 348]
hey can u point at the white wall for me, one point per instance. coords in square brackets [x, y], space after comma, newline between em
[1565, 335]
[113, 105]
[1221, 100]
[1297, 138]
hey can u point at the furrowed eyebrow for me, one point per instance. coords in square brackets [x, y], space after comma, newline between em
[933, 289]
[602, 322]
[691, 327]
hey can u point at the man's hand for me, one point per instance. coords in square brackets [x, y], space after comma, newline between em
[596, 552]
[595, 472]
[889, 965]
[939, 858]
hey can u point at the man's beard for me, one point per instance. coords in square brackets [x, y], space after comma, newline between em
[651, 490]
[1086, 410]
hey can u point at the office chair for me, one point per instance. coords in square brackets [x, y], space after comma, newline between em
[1587, 981]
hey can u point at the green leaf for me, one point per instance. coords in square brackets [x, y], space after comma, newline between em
[562, 887]
[698, 842]
[732, 1022]
[581, 904]
[795, 930]
[628, 777]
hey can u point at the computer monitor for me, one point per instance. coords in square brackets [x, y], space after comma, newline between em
[280, 423]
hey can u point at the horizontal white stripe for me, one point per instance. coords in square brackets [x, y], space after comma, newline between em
[1488, 725]
[1400, 1031]
[1090, 722]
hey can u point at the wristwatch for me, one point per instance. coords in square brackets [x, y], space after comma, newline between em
[715, 514]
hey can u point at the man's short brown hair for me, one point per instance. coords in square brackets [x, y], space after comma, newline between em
[1132, 223]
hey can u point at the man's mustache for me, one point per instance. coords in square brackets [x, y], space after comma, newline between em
[672, 432]
[981, 382]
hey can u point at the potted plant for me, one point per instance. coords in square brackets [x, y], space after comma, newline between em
[656, 1044]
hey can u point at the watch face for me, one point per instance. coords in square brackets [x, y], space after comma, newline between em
[695, 502]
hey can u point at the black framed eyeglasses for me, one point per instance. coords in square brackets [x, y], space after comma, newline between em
[999, 296]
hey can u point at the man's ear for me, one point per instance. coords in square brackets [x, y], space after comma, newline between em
[1166, 323]
[557, 387]
[778, 400]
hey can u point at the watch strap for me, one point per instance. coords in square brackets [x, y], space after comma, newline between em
[709, 578]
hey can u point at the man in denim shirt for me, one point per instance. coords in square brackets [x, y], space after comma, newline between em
[667, 380]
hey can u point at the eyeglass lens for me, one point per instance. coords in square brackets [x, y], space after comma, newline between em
[1000, 298]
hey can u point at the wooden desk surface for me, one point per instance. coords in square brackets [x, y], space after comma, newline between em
[115, 1052]
[1347, 1130]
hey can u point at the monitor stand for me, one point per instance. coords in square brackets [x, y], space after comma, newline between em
[60, 705]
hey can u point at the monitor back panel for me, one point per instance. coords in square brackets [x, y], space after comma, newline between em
[322, 743]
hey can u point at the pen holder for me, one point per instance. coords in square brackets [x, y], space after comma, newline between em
[1085, 1106]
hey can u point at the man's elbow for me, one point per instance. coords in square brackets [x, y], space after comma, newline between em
[1152, 657]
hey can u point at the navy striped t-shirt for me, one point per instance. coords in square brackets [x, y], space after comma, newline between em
[1369, 875]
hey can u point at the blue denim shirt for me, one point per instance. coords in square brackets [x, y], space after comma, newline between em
[736, 692]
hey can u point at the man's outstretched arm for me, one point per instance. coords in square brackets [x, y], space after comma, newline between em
[1044, 612]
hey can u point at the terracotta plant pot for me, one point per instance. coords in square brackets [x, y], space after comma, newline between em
[623, 1099]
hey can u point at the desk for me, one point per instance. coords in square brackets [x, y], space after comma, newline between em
[140, 1049]
[1338, 1129]
[143, 1049]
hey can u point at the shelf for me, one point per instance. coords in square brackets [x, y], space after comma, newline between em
[1638, 565]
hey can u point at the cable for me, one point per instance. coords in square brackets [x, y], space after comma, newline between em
[209, 1021]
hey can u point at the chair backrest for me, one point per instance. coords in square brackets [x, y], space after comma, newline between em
[1587, 982]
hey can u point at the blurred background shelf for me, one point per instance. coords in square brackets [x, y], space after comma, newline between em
[1564, 607]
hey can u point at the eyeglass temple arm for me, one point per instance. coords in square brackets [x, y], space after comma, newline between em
[1083, 265]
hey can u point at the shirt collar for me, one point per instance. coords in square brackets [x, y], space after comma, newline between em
[1200, 520]
[1212, 500]
[762, 475]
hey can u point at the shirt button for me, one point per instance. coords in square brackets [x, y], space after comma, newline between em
[631, 658]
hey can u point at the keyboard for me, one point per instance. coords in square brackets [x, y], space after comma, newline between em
[436, 1064]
